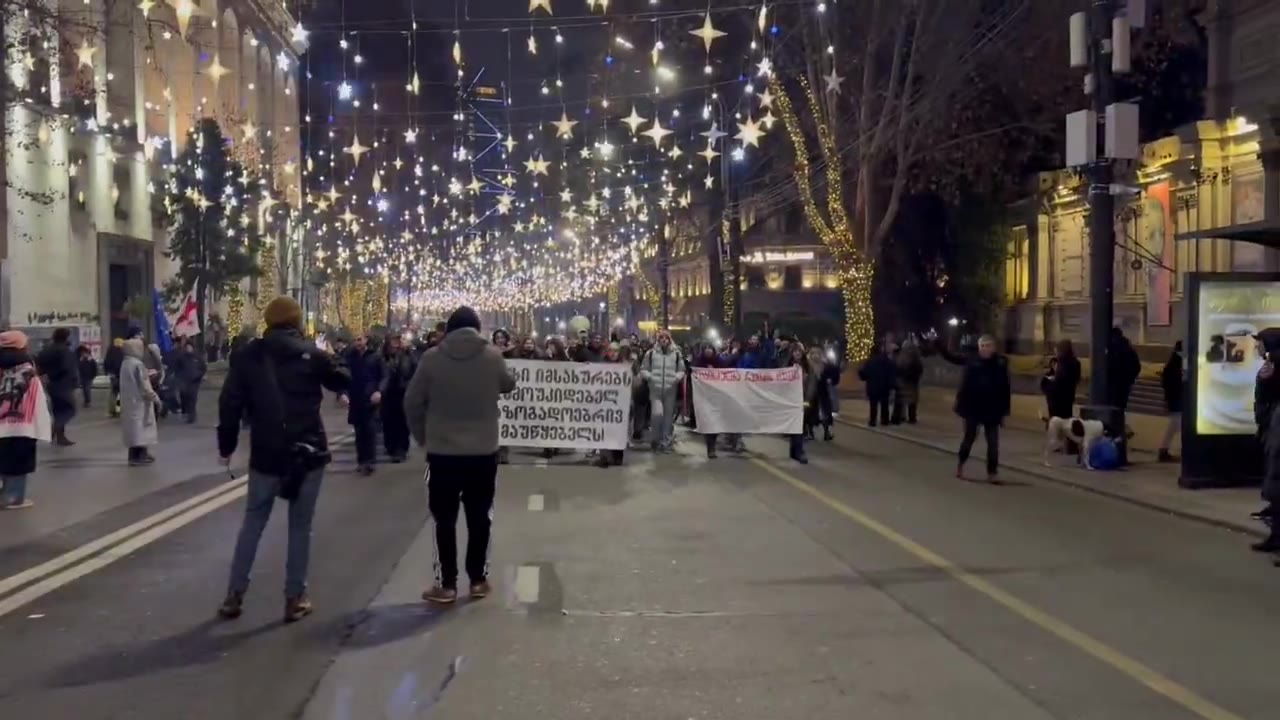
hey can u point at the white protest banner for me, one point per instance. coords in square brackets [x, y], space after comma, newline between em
[767, 402]
[567, 405]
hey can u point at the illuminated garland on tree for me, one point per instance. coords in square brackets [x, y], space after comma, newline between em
[267, 284]
[235, 311]
[853, 271]
[729, 276]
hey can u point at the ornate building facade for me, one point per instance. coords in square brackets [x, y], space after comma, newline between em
[1204, 199]
[100, 94]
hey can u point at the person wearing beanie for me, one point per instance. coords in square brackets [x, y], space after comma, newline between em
[24, 419]
[452, 407]
[138, 400]
[279, 381]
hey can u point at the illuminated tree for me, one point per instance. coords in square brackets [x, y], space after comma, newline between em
[211, 207]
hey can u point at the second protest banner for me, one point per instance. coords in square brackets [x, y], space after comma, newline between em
[567, 405]
[749, 401]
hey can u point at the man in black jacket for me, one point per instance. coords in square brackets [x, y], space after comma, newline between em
[1172, 377]
[367, 372]
[983, 401]
[57, 363]
[188, 372]
[280, 381]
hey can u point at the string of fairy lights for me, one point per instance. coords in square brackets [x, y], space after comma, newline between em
[575, 201]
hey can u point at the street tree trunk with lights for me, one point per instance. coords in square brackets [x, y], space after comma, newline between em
[880, 86]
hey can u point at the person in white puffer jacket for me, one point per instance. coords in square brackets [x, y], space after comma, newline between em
[663, 368]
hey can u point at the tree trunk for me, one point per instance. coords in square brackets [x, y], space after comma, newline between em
[201, 291]
[856, 277]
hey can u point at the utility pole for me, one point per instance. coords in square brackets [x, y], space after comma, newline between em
[1096, 138]
[1102, 232]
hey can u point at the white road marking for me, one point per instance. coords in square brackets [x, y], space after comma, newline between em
[536, 503]
[528, 581]
[123, 550]
[63, 569]
[74, 556]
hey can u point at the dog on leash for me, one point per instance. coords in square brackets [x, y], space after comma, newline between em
[1084, 433]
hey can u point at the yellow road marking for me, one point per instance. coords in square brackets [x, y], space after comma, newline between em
[1108, 655]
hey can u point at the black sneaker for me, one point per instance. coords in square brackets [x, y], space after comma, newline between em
[232, 607]
[711, 453]
[1270, 545]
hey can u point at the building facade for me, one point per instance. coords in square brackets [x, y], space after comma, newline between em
[99, 95]
[1206, 199]
[785, 276]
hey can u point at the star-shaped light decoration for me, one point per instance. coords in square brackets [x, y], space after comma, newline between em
[475, 186]
[766, 99]
[710, 153]
[657, 132]
[355, 149]
[537, 167]
[833, 81]
[509, 143]
[411, 135]
[544, 4]
[634, 121]
[509, 180]
[709, 182]
[566, 196]
[707, 32]
[216, 70]
[289, 168]
[518, 227]
[267, 202]
[504, 203]
[749, 133]
[85, 53]
[585, 153]
[714, 134]
[592, 203]
[398, 163]
[764, 68]
[675, 152]
[606, 148]
[185, 9]
[532, 44]
[570, 213]
[333, 194]
[768, 120]
[249, 129]
[299, 34]
[564, 126]
[347, 216]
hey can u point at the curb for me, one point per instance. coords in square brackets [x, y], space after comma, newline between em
[1233, 525]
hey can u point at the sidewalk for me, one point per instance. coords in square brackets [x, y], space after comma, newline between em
[1145, 482]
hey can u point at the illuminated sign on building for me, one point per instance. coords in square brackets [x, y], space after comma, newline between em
[761, 257]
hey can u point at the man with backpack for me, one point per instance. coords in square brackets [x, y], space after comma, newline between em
[663, 369]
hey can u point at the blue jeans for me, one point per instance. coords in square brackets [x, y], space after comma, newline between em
[15, 489]
[263, 490]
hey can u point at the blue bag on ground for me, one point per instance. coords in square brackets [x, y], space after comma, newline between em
[1104, 455]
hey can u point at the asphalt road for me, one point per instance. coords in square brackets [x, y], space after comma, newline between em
[869, 584]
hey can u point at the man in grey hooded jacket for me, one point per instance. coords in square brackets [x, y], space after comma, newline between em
[452, 408]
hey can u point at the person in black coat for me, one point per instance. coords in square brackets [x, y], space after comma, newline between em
[367, 371]
[399, 368]
[111, 366]
[88, 371]
[1172, 377]
[57, 363]
[983, 400]
[279, 381]
[879, 373]
[189, 368]
[1123, 368]
[1059, 385]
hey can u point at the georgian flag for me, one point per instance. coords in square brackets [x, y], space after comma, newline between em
[185, 322]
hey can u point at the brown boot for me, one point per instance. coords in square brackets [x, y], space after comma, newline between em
[441, 595]
[480, 589]
[296, 608]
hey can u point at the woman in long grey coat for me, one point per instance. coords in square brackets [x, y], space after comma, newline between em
[137, 404]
